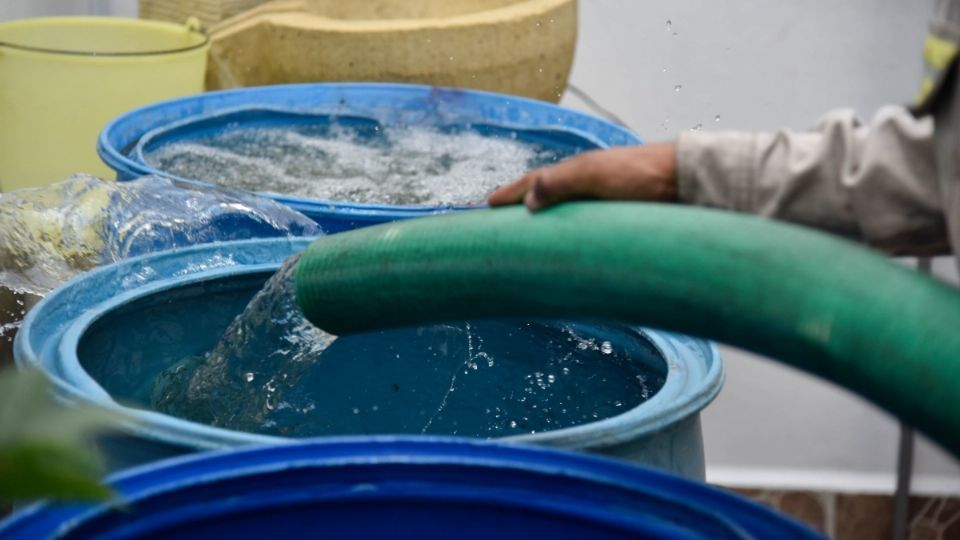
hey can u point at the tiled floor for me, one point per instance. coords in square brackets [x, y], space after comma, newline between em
[864, 517]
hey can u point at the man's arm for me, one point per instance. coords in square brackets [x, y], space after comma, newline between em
[875, 183]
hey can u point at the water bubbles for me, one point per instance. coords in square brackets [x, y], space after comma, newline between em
[249, 376]
[356, 410]
[606, 347]
[551, 378]
[513, 424]
[451, 58]
[565, 370]
[670, 27]
[398, 165]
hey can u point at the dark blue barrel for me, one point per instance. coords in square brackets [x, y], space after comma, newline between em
[400, 488]
[122, 142]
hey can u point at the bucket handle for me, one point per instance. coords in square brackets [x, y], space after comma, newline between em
[193, 24]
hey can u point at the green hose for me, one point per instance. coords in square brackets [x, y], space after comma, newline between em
[821, 304]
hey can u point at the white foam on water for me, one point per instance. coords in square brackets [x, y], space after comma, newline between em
[399, 165]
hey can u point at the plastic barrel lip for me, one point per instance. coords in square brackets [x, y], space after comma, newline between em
[685, 391]
[169, 476]
[105, 21]
[122, 134]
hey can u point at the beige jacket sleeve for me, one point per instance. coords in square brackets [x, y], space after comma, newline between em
[875, 183]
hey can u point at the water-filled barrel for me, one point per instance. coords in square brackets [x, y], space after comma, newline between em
[104, 337]
[126, 143]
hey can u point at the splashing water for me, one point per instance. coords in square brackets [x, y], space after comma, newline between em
[273, 372]
[390, 165]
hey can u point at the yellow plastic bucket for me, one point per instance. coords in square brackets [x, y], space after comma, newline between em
[63, 78]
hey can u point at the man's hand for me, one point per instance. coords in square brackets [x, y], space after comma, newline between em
[638, 173]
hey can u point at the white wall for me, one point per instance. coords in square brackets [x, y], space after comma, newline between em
[763, 64]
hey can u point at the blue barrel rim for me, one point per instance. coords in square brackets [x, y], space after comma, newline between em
[688, 388]
[115, 155]
[742, 517]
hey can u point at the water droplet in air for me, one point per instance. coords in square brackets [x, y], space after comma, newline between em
[716, 118]
[669, 25]
[698, 127]
[678, 87]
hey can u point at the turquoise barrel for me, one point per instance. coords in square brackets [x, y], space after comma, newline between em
[124, 142]
[105, 336]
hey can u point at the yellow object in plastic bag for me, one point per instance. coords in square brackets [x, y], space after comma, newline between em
[63, 78]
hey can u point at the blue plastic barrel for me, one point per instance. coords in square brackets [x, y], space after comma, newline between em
[396, 488]
[120, 325]
[122, 142]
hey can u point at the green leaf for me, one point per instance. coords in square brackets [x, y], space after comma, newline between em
[46, 449]
[36, 471]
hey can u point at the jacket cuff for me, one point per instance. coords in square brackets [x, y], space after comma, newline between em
[716, 169]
